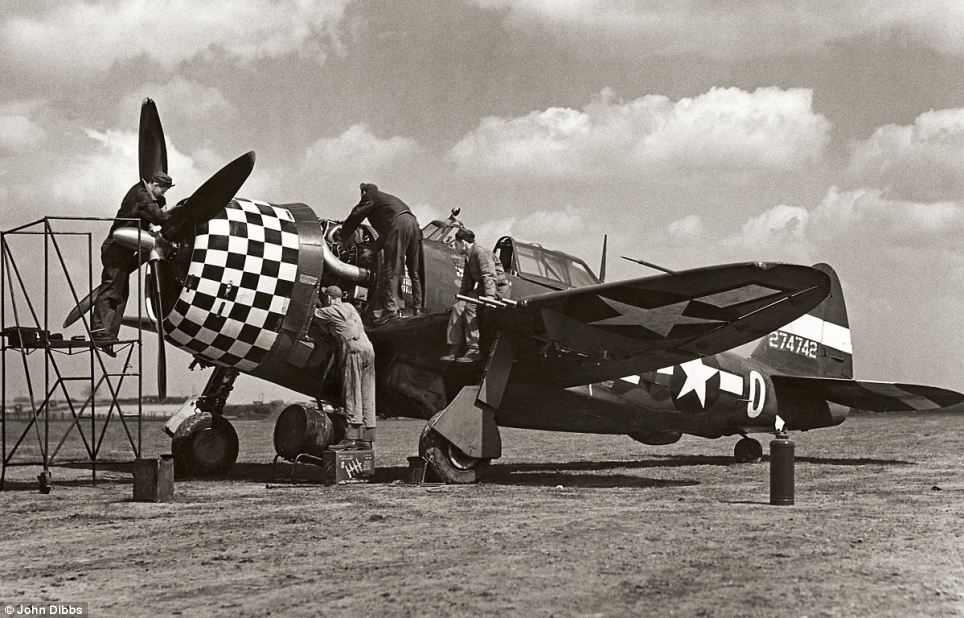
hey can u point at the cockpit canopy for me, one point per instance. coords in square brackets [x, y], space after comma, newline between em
[526, 260]
[534, 262]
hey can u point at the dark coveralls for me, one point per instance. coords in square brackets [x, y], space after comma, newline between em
[401, 238]
[357, 357]
[482, 275]
[119, 262]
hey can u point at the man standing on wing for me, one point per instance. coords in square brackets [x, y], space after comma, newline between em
[482, 275]
[400, 237]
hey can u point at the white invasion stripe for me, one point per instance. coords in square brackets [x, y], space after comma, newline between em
[665, 371]
[827, 333]
[631, 379]
[731, 383]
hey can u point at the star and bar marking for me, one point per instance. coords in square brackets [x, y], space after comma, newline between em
[659, 320]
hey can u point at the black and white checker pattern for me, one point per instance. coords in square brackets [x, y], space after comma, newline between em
[242, 272]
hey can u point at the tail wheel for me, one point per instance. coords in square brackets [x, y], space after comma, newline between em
[748, 450]
[204, 445]
[449, 463]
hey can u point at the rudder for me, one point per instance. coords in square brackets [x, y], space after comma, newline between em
[815, 344]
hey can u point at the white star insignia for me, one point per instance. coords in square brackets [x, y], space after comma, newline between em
[696, 376]
[660, 320]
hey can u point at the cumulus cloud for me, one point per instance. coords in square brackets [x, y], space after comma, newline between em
[19, 125]
[94, 183]
[688, 230]
[360, 150]
[924, 161]
[780, 226]
[884, 222]
[79, 36]
[18, 131]
[752, 29]
[861, 224]
[722, 131]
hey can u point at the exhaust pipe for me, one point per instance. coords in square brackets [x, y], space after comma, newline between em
[355, 274]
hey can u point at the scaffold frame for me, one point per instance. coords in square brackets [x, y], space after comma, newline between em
[26, 331]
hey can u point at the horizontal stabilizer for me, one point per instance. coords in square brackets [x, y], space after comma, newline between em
[867, 395]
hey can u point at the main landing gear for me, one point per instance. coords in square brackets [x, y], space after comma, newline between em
[462, 439]
[204, 443]
[447, 461]
[748, 450]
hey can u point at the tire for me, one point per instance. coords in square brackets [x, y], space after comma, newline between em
[748, 450]
[204, 446]
[447, 462]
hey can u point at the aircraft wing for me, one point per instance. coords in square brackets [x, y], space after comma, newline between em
[867, 395]
[605, 331]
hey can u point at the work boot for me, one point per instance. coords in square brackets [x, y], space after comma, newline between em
[106, 346]
[451, 356]
[351, 439]
[367, 436]
[385, 317]
[471, 355]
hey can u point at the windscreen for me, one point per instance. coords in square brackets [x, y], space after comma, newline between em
[534, 261]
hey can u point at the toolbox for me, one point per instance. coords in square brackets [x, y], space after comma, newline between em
[24, 336]
[348, 466]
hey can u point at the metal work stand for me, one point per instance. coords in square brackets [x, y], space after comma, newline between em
[51, 365]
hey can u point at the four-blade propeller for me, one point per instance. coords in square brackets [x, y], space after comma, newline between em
[204, 204]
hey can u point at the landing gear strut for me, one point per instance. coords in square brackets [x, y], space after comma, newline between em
[747, 450]
[205, 443]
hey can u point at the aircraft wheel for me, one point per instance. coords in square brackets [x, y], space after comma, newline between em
[204, 445]
[447, 462]
[747, 450]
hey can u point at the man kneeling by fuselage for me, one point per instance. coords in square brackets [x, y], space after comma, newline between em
[357, 358]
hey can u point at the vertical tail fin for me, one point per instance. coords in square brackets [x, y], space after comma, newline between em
[815, 344]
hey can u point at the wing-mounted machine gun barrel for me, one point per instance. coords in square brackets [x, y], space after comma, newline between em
[487, 301]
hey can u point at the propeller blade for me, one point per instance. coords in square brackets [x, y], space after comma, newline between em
[209, 199]
[85, 304]
[156, 305]
[143, 323]
[151, 148]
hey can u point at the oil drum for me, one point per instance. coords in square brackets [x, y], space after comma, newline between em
[302, 429]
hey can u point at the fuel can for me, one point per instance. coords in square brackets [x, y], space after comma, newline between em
[781, 470]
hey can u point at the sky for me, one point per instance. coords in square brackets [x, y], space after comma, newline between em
[690, 132]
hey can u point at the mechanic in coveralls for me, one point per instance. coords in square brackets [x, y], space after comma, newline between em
[482, 275]
[144, 201]
[400, 236]
[357, 358]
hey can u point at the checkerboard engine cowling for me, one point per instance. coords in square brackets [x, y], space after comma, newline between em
[245, 261]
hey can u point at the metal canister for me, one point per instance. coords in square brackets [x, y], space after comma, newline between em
[781, 470]
[302, 429]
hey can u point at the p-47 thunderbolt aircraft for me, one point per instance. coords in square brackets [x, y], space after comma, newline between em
[799, 377]
[233, 282]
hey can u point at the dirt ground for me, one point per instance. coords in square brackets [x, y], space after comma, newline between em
[564, 525]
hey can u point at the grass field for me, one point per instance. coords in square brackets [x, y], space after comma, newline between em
[565, 524]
